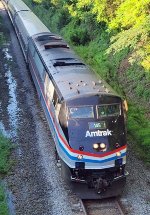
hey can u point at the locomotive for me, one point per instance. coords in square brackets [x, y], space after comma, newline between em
[86, 117]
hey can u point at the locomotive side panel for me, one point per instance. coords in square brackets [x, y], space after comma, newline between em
[49, 100]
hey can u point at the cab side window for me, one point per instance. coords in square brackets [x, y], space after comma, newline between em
[56, 103]
[48, 89]
[55, 99]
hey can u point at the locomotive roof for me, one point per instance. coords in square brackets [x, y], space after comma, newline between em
[71, 76]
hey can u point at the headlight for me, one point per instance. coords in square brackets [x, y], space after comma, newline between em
[102, 145]
[95, 146]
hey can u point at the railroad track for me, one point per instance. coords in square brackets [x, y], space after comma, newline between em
[102, 207]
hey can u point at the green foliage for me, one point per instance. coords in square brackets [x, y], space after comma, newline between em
[105, 34]
[133, 21]
[3, 202]
[76, 34]
[38, 1]
[139, 130]
[54, 18]
[5, 150]
[130, 18]
[59, 20]
[94, 54]
[140, 82]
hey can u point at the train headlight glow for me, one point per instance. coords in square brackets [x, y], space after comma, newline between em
[102, 146]
[80, 157]
[95, 146]
[118, 154]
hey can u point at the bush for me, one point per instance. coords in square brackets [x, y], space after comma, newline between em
[5, 150]
[139, 130]
[3, 202]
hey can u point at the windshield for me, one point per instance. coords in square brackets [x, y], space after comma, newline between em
[108, 110]
[81, 112]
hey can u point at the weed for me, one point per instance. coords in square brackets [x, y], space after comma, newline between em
[139, 130]
[3, 202]
[5, 150]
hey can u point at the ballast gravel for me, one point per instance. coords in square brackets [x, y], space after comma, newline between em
[136, 196]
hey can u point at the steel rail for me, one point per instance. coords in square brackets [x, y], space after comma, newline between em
[101, 207]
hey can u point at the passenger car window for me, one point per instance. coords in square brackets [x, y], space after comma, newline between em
[81, 112]
[108, 110]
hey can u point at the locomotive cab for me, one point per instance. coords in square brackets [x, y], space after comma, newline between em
[94, 125]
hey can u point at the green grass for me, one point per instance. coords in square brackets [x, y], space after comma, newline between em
[3, 202]
[5, 150]
[139, 131]
[5, 164]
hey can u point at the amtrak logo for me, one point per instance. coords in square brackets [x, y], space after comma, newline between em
[98, 133]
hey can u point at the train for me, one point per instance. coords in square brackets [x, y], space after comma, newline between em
[87, 118]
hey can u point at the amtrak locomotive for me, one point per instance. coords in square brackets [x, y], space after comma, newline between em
[85, 116]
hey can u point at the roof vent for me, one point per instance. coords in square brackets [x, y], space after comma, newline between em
[52, 45]
[48, 37]
[67, 62]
